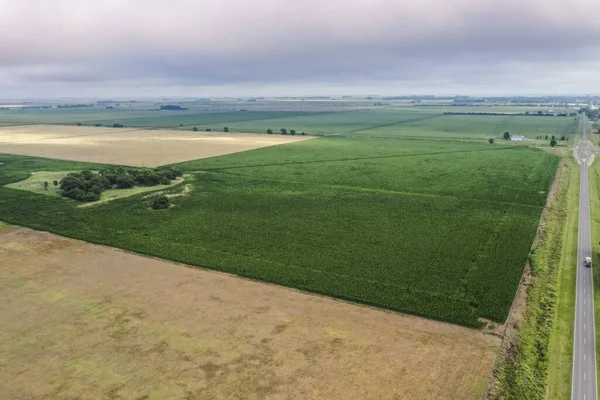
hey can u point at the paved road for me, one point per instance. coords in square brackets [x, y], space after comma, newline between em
[584, 350]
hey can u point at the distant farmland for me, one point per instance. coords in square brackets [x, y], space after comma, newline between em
[438, 229]
[405, 122]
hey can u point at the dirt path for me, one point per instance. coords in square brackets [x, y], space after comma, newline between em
[86, 321]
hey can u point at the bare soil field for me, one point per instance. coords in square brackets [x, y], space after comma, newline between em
[123, 146]
[86, 321]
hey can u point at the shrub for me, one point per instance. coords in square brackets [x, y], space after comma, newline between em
[87, 174]
[125, 181]
[148, 177]
[95, 189]
[75, 194]
[160, 203]
[226, 129]
[69, 183]
[270, 131]
[91, 196]
[491, 140]
[195, 129]
[55, 183]
[208, 129]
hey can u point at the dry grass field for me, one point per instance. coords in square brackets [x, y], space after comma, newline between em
[128, 146]
[85, 321]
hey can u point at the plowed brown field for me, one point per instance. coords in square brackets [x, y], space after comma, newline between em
[126, 146]
[85, 321]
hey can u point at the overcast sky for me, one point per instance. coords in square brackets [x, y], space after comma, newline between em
[52, 48]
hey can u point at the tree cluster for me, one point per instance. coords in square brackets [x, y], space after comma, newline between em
[172, 107]
[284, 131]
[74, 105]
[526, 113]
[87, 185]
[562, 138]
[591, 113]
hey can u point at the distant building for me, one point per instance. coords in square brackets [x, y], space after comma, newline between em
[517, 138]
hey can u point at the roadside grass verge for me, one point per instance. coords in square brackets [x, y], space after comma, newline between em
[594, 178]
[560, 358]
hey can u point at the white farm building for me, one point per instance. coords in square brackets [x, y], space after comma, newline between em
[517, 138]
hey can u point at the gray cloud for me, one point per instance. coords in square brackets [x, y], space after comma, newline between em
[385, 46]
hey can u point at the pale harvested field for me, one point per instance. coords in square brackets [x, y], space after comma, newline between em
[128, 146]
[87, 322]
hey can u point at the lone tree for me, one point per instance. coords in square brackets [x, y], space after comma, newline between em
[270, 131]
[79, 124]
[226, 129]
[160, 203]
[45, 185]
[553, 141]
[506, 136]
[292, 132]
[55, 183]
[283, 131]
[491, 140]
[195, 129]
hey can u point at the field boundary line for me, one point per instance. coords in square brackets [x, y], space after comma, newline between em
[398, 123]
[359, 158]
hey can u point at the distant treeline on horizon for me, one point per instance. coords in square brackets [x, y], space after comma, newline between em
[525, 114]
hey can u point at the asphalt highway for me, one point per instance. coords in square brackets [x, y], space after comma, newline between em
[584, 349]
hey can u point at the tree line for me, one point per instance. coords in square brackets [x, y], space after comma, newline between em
[525, 114]
[282, 131]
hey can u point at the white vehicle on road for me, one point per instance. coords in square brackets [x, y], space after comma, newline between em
[587, 262]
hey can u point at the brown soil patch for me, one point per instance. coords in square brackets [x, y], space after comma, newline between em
[136, 147]
[85, 321]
